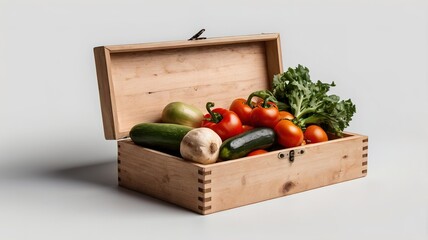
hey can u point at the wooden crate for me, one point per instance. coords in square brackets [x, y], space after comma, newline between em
[135, 83]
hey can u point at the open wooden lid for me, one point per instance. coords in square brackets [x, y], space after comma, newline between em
[137, 81]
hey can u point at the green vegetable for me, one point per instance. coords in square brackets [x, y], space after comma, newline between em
[309, 102]
[244, 143]
[183, 114]
[159, 136]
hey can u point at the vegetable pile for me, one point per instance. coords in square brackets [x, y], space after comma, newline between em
[296, 112]
[309, 103]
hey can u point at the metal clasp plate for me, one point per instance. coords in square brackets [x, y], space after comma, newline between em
[291, 154]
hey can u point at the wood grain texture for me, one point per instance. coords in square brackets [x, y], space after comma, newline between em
[145, 82]
[102, 63]
[215, 187]
[141, 79]
[273, 58]
[159, 175]
[254, 179]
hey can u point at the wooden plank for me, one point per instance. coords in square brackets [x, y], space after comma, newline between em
[159, 175]
[253, 179]
[102, 62]
[273, 58]
[187, 44]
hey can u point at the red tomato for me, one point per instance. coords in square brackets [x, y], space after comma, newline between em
[289, 135]
[222, 121]
[285, 115]
[257, 152]
[246, 128]
[240, 107]
[265, 117]
[315, 134]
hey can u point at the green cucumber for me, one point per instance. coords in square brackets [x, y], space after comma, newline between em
[242, 144]
[159, 136]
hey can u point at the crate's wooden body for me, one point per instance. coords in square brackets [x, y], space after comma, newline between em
[137, 81]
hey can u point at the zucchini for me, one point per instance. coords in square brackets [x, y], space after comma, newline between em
[159, 136]
[242, 144]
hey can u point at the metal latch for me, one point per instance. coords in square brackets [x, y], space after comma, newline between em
[291, 154]
[197, 35]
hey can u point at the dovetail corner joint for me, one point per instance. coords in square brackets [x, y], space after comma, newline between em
[204, 208]
[204, 181]
[204, 189]
[364, 156]
[204, 173]
[204, 200]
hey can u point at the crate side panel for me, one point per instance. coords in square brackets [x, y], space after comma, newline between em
[265, 177]
[158, 175]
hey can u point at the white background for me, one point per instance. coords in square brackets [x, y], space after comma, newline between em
[58, 174]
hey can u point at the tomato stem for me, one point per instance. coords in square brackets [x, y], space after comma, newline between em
[266, 95]
[267, 101]
[215, 117]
